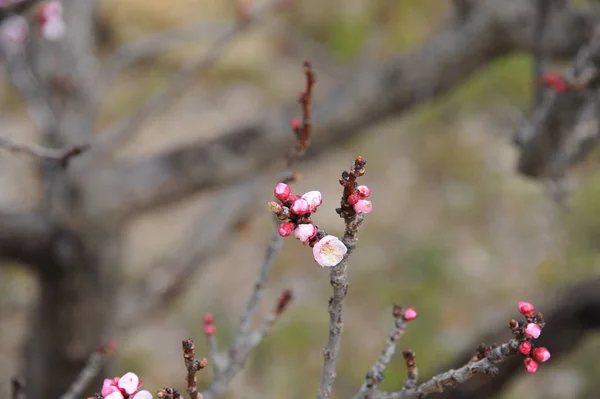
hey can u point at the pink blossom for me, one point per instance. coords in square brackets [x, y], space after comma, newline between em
[525, 348]
[530, 365]
[363, 206]
[143, 395]
[114, 395]
[286, 228]
[129, 383]
[541, 354]
[300, 206]
[14, 31]
[210, 330]
[314, 199]
[109, 387]
[54, 29]
[52, 9]
[208, 318]
[282, 192]
[532, 330]
[526, 309]
[305, 232]
[353, 199]
[363, 191]
[410, 314]
[295, 123]
[329, 251]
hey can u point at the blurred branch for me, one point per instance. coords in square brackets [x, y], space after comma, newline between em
[366, 97]
[543, 8]
[159, 42]
[91, 369]
[209, 234]
[126, 128]
[571, 314]
[234, 361]
[18, 7]
[62, 156]
[25, 237]
[375, 375]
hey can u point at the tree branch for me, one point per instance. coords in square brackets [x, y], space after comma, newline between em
[151, 45]
[129, 125]
[25, 237]
[16, 8]
[360, 100]
[570, 314]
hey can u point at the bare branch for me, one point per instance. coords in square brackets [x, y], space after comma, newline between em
[339, 278]
[452, 378]
[126, 128]
[192, 365]
[375, 375]
[169, 278]
[25, 237]
[38, 151]
[361, 99]
[543, 8]
[91, 369]
[159, 42]
[16, 8]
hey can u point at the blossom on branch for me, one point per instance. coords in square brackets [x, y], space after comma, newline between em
[329, 251]
[125, 387]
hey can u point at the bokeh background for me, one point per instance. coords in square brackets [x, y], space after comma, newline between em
[455, 231]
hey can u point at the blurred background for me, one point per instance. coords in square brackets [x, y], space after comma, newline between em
[455, 230]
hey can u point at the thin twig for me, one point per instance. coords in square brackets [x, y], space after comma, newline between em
[245, 340]
[542, 10]
[375, 375]
[339, 279]
[192, 366]
[182, 80]
[91, 369]
[452, 378]
[38, 151]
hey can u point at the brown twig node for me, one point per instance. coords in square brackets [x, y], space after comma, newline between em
[283, 302]
[412, 371]
[192, 365]
[168, 393]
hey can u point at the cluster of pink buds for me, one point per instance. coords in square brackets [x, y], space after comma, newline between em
[527, 331]
[126, 387]
[50, 20]
[209, 325]
[358, 200]
[295, 213]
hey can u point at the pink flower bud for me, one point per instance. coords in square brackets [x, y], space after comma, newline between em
[363, 191]
[410, 314]
[210, 330]
[329, 251]
[525, 348]
[295, 123]
[109, 387]
[300, 206]
[305, 232]
[532, 330]
[353, 199]
[208, 318]
[286, 228]
[282, 192]
[526, 309]
[530, 365]
[363, 206]
[314, 199]
[541, 354]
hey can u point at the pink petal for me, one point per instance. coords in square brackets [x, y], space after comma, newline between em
[114, 395]
[143, 395]
[305, 232]
[329, 251]
[129, 383]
